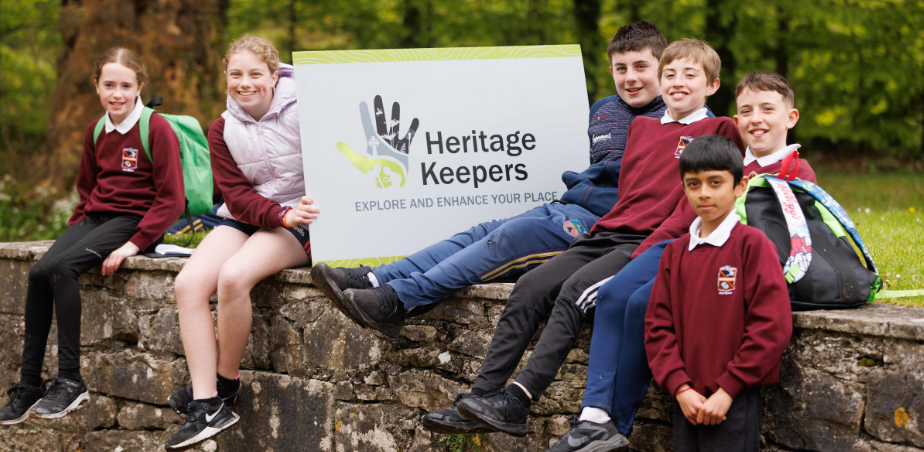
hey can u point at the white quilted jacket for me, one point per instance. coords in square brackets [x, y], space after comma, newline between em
[268, 151]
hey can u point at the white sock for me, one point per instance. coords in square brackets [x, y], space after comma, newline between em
[371, 277]
[595, 415]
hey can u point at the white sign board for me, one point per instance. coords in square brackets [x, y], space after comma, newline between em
[404, 148]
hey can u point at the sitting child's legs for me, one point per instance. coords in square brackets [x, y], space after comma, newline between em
[194, 286]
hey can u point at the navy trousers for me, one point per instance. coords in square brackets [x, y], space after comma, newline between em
[618, 373]
[490, 250]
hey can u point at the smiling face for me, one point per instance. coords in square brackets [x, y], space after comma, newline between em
[250, 83]
[684, 87]
[764, 119]
[636, 76]
[712, 195]
[118, 88]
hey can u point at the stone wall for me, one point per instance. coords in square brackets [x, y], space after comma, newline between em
[313, 381]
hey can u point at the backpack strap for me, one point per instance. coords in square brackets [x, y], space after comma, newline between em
[840, 214]
[99, 128]
[800, 254]
[144, 127]
[790, 160]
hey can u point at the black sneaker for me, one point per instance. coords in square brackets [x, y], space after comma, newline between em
[586, 436]
[448, 420]
[205, 420]
[500, 411]
[22, 399]
[61, 398]
[379, 308]
[333, 281]
[180, 399]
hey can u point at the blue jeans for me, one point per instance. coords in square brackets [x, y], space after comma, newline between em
[618, 373]
[491, 250]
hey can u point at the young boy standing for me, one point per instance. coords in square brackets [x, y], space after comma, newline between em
[618, 374]
[564, 289]
[719, 317]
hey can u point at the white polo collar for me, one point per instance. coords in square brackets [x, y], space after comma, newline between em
[719, 236]
[129, 122]
[769, 159]
[697, 115]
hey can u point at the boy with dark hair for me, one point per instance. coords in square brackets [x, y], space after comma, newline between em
[618, 374]
[381, 298]
[712, 342]
[566, 286]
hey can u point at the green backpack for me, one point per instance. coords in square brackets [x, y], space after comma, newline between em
[194, 155]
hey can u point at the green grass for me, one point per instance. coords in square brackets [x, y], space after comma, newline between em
[889, 212]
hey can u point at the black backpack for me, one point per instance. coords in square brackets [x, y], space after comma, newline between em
[810, 231]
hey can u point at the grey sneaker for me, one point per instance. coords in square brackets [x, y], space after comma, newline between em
[586, 436]
[22, 399]
[63, 397]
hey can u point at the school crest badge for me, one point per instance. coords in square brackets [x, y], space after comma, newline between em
[684, 141]
[129, 159]
[574, 227]
[727, 276]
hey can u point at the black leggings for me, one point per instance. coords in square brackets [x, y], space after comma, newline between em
[53, 289]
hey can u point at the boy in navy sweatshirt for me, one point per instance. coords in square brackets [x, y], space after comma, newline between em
[719, 316]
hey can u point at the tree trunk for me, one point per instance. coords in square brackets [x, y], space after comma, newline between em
[587, 16]
[782, 57]
[412, 26]
[178, 40]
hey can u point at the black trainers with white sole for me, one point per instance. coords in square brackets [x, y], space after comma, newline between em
[205, 419]
[586, 436]
[62, 397]
[22, 399]
[180, 399]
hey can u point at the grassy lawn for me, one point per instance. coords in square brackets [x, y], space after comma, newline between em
[889, 212]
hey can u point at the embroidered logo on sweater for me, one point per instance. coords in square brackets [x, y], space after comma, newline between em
[129, 159]
[684, 141]
[727, 279]
[574, 227]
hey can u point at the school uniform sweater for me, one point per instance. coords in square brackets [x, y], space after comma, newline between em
[649, 183]
[116, 176]
[239, 193]
[719, 316]
[682, 217]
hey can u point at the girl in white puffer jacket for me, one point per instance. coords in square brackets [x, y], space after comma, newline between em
[257, 162]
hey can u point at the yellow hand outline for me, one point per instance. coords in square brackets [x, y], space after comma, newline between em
[366, 164]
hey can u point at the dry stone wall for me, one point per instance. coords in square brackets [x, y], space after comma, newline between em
[314, 381]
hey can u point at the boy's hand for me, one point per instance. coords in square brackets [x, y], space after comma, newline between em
[114, 260]
[691, 402]
[713, 411]
[303, 213]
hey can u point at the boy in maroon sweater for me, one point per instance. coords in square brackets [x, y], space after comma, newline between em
[564, 288]
[719, 316]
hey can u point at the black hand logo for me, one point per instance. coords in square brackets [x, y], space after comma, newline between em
[389, 131]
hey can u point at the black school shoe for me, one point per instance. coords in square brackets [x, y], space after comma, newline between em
[500, 411]
[379, 308]
[448, 420]
[180, 400]
[205, 419]
[586, 436]
[22, 399]
[333, 281]
[61, 398]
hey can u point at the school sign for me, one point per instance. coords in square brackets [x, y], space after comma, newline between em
[403, 148]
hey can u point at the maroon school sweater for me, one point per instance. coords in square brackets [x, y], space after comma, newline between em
[242, 199]
[649, 185]
[116, 176]
[680, 220]
[700, 332]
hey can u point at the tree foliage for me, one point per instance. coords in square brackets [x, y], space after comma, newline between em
[857, 66]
